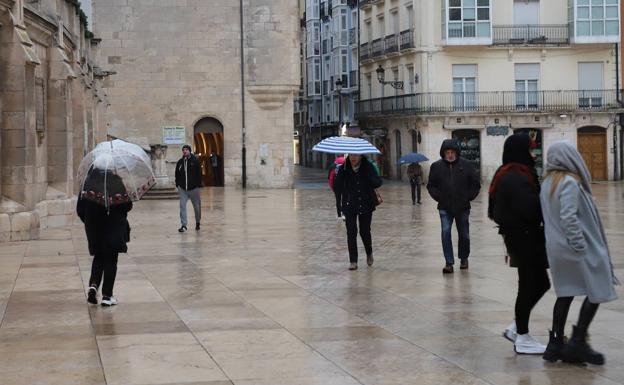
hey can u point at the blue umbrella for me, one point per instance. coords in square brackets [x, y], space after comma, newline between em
[345, 145]
[413, 157]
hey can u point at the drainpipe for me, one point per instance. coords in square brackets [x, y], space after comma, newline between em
[616, 170]
[243, 129]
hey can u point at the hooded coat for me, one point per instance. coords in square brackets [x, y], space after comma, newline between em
[357, 188]
[576, 243]
[453, 184]
[514, 204]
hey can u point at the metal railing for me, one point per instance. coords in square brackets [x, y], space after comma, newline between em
[364, 3]
[490, 102]
[391, 43]
[406, 39]
[365, 52]
[538, 34]
[377, 47]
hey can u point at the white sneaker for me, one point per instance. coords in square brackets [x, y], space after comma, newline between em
[109, 301]
[526, 344]
[511, 332]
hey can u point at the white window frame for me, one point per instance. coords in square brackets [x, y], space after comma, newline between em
[598, 38]
[469, 40]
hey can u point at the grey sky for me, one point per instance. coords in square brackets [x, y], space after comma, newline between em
[86, 7]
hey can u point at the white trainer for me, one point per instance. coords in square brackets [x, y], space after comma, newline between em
[109, 301]
[526, 344]
[511, 332]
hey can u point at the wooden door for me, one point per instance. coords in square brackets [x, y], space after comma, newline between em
[593, 148]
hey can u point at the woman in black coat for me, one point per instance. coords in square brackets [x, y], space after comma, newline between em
[108, 232]
[356, 182]
[514, 205]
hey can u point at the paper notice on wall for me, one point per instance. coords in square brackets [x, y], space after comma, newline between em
[174, 135]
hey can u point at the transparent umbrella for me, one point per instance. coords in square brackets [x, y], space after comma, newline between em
[115, 172]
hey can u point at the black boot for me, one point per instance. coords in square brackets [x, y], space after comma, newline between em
[578, 350]
[554, 348]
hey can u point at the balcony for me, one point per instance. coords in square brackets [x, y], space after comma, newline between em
[406, 39]
[365, 53]
[555, 34]
[366, 4]
[391, 44]
[377, 48]
[490, 102]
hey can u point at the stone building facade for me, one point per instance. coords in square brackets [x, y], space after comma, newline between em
[178, 68]
[51, 110]
[479, 71]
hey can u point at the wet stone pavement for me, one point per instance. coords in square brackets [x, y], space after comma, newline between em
[262, 296]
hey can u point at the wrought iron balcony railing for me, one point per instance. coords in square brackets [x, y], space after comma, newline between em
[406, 39]
[490, 102]
[377, 47]
[539, 34]
[391, 44]
[365, 52]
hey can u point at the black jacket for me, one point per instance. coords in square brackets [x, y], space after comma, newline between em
[453, 185]
[356, 189]
[516, 208]
[193, 173]
[108, 230]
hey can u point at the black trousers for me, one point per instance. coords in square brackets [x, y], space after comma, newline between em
[104, 264]
[533, 283]
[338, 203]
[415, 189]
[365, 234]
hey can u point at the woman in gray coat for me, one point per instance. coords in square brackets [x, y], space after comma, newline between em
[577, 249]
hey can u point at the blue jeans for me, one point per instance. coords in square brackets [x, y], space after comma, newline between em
[463, 230]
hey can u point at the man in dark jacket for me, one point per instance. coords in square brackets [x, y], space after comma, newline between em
[453, 183]
[188, 182]
[355, 183]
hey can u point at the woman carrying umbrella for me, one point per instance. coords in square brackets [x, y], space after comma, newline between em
[331, 177]
[355, 182]
[111, 176]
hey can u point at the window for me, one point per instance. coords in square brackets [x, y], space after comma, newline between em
[381, 23]
[527, 81]
[395, 23]
[464, 86]
[369, 85]
[414, 141]
[395, 77]
[590, 84]
[409, 79]
[410, 16]
[369, 31]
[397, 139]
[597, 18]
[40, 104]
[468, 18]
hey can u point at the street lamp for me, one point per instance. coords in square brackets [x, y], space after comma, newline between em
[339, 91]
[381, 76]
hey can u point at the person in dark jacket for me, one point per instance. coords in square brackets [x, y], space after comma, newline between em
[514, 204]
[188, 181]
[108, 232]
[453, 183]
[356, 182]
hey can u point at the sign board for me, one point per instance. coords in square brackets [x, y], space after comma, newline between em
[174, 135]
[497, 130]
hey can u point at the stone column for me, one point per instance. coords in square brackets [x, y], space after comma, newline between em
[17, 127]
[60, 122]
[272, 76]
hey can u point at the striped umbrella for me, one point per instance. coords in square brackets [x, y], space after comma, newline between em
[345, 145]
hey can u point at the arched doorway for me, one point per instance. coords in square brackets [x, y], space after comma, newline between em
[592, 144]
[209, 149]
